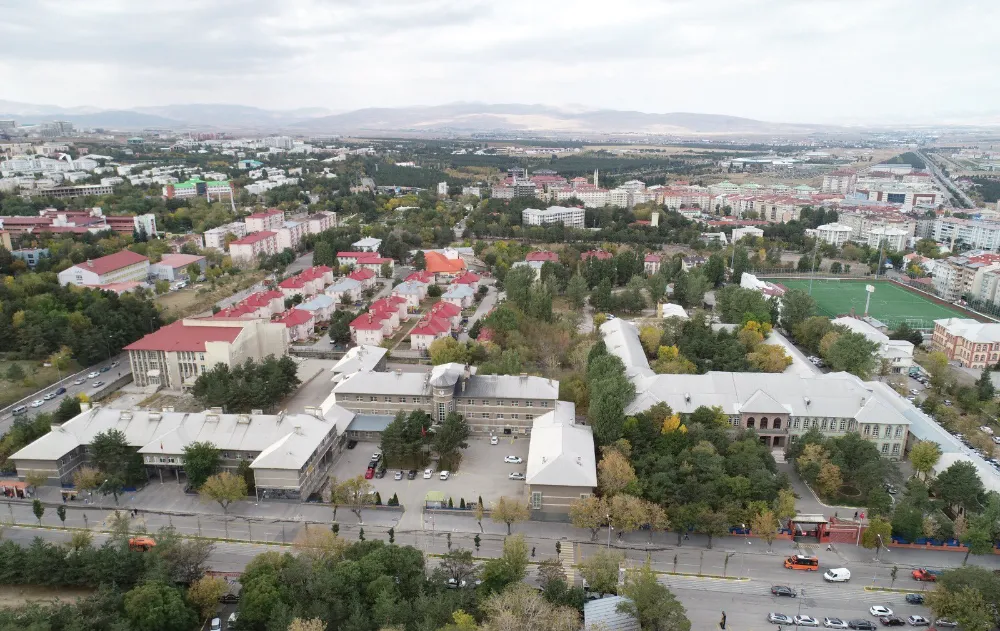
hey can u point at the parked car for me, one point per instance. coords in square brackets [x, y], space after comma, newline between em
[834, 623]
[37, 403]
[494, 440]
[892, 621]
[377, 456]
[398, 475]
[918, 621]
[369, 473]
[915, 599]
[878, 611]
[861, 625]
[944, 623]
[515, 476]
[782, 590]
[805, 621]
[779, 618]
[380, 473]
[411, 474]
[445, 475]
[216, 624]
[428, 473]
[229, 598]
[923, 574]
[513, 460]
[351, 444]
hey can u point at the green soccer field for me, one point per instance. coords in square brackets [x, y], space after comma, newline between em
[890, 303]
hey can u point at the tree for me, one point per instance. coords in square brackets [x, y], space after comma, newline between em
[810, 332]
[905, 332]
[458, 565]
[117, 460]
[37, 509]
[161, 287]
[449, 438]
[984, 386]
[509, 511]
[248, 386]
[385, 271]
[978, 538]
[614, 472]
[155, 606]
[877, 534]
[924, 455]
[715, 270]
[589, 512]
[600, 570]
[312, 624]
[769, 358]
[205, 592]
[86, 478]
[959, 485]
[61, 514]
[829, 479]
[765, 525]
[201, 460]
[224, 488]
[784, 506]
[510, 567]
[741, 265]
[576, 292]
[446, 350]
[523, 607]
[796, 307]
[35, 479]
[712, 523]
[651, 603]
[969, 595]
[419, 261]
[937, 365]
[184, 560]
[854, 353]
[355, 493]
[68, 408]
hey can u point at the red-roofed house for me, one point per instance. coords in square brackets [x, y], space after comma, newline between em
[374, 264]
[175, 355]
[600, 255]
[651, 264]
[352, 258]
[270, 219]
[542, 256]
[266, 303]
[428, 330]
[173, 267]
[364, 276]
[309, 283]
[300, 323]
[469, 279]
[368, 328]
[120, 267]
[393, 303]
[440, 264]
[424, 277]
[448, 311]
[252, 246]
[388, 312]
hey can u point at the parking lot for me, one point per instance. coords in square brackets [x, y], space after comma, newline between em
[483, 473]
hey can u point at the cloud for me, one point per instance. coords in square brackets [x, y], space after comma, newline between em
[783, 60]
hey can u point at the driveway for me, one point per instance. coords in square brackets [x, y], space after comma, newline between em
[485, 306]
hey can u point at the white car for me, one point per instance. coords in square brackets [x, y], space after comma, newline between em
[914, 391]
[97, 384]
[878, 611]
[806, 621]
[37, 403]
[216, 624]
[515, 476]
[834, 623]
[428, 473]
[494, 440]
[80, 381]
[93, 374]
[513, 460]
[445, 475]
[377, 455]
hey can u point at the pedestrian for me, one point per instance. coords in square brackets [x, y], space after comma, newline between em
[855, 515]
[722, 623]
[532, 552]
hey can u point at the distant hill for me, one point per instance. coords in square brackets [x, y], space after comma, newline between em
[217, 115]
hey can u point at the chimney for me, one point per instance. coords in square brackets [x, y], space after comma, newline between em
[579, 460]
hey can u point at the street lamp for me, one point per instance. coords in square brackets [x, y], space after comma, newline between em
[609, 531]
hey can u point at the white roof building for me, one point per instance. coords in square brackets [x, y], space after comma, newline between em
[561, 463]
[899, 353]
[368, 244]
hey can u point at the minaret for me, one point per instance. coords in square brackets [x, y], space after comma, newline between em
[596, 185]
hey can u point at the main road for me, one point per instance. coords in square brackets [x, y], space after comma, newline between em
[944, 182]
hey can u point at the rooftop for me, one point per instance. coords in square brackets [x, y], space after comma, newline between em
[561, 452]
[183, 336]
[250, 239]
[970, 329]
[112, 262]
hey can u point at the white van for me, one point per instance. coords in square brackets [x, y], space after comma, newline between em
[838, 575]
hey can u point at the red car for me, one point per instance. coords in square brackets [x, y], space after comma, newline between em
[924, 575]
[369, 473]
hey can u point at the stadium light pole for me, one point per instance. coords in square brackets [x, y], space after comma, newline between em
[812, 274]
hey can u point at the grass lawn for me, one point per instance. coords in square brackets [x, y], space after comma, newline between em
[188, 302]
[890, 303]
[36, 377]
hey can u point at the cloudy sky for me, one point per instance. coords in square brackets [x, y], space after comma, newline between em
[779, 60]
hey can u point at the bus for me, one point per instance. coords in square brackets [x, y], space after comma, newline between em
[799, 562]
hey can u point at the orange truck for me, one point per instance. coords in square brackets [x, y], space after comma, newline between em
[141, 544]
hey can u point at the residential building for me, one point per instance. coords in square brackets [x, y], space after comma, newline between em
[360, 358]
[370, 328]
[262, 304]
[986, 283]
[121, 267]
[834, 233]
[411, 291]
[393, 305]
[79, 222]
[955, 276]
[290, 234]
[600, 255]
[443, 266]
[309, 282]
[459, 295]
[972, 344]
[561, 466]
[374, 263]
[688, 263]
[651, 264]
[368, 244]
[364, 276]
[290, 454]
[779, 407]
[216, 237]
[270, 219]
[468, 279]
[176, 354]
[449, 311]
[196, 187]
[251, 247]
[65, 192]
[30, 256]
[173, 267]
[321, 221]
[345, 290]
[320, 306]
[748, 231]
[542, 256]
[889, 238]
[428, 330]
[568, 217]
[670, 310]
[863, 219]
[299, 324]
[897, 354]
[840, 181]
[973, 233]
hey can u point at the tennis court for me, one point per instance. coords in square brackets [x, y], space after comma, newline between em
[890, 303]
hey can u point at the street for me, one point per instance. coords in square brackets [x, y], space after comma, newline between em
[946, 185]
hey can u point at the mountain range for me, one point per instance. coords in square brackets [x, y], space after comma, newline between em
[455, 118]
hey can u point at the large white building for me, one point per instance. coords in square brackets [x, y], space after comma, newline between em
[889, 238]
[834, 233]
[569, 217]
[216, 237]
[973, 233]
[251, 247]
[121, 267]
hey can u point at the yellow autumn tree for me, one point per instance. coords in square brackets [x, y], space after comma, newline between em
[669, 361]
[673, 424]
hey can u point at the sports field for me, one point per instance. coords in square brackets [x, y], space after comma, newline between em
[890, 303]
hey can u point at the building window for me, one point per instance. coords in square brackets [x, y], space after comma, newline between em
[888, 431]
[777, 423]
[899, 431]
[763, 422]
[374, 399]
[536, 500]
[843, 425]
[402, 399]
[513, 404]
[500, 417]
[751, 422]
[360, 397]
[515, 416]
[868, 430]
[885, 448]
[796, 424]
[823, 425]
[529, 417]
[528, 404]
[545, 404]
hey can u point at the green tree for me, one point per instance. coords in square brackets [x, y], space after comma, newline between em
[600, 570]
[651, 603]
[201, 460]
[205, 592]
[741, 265]
[116, 460]
[796, 307]
[447, 349]
[419, 261]
[509, 511]
[712, 523]
[37, 509]
[68, 408]
[324, 254]
[853, 353]
[224, 488]
[765, 525]
[576, 292]
[877, 528]
[509, 568]
[589, 512]
[924, 455]
[959, 485]
[984, 386]
[970, 595]
[449, 439]
[715, 270]
[155, 606]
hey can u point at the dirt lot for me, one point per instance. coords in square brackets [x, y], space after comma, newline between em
[16, 595]
[187, 302]
[483, 473]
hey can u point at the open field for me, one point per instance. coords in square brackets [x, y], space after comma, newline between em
[36, 377]
[189, 302]
[890, 303]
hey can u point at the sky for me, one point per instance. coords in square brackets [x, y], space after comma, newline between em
[809, 61]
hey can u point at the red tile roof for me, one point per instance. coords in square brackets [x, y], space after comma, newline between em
[467, 278]
[431, 326]
[446, 309]
[653, 258]
[356, 255]
[267, 213]
[438, 263]
[254, 238]
[601, 255]
[294, 317]
[420, 277]
[361, 274]
[367, 322]
[112, 262]
[179, 260]
[262, 298]
[374, 260]
[178, 337]
[295, 282]
[542, 255]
